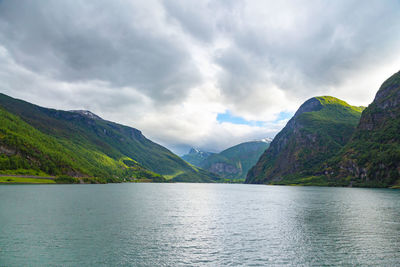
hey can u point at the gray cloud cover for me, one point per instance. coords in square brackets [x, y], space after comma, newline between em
[102, 40]
[169, 67]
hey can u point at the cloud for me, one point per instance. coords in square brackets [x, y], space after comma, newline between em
[283, 51]
[116, 42]
[170, 67]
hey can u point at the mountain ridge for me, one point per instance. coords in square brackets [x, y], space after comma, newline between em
[326, 121]
[91, 135]
[372, 156]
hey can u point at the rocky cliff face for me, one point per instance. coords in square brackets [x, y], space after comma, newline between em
[280, 152]
[318, 130]
[372, 156]
[224, 168]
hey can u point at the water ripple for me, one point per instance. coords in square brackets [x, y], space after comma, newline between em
[198, 225]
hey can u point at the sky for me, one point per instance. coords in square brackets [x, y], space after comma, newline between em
[207, 74]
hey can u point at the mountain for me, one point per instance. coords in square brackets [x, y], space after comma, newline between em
[36, 140]
[234, 162]
[319, 129]
[372, 156]
[196, 156]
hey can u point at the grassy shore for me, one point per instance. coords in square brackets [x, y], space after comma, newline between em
[24, 180]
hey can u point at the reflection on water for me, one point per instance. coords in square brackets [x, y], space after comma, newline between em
[198, 224]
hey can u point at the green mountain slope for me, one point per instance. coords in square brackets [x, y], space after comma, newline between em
[82, 144]
[372, 156]
[318, 130]
[25, 150]
[234, 162]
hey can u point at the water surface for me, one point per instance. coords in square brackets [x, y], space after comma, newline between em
[197, 225]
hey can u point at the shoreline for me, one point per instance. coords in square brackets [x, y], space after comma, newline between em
[40, 180]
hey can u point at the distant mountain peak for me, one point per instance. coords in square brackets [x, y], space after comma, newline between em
[87, 113]
[196, 156]
[194, 150]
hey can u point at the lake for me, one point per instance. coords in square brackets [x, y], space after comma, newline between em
[197, 225]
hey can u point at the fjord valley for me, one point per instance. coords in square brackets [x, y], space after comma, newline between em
[329, 142]
[288, 112]
[78, 146]
[232, 163]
